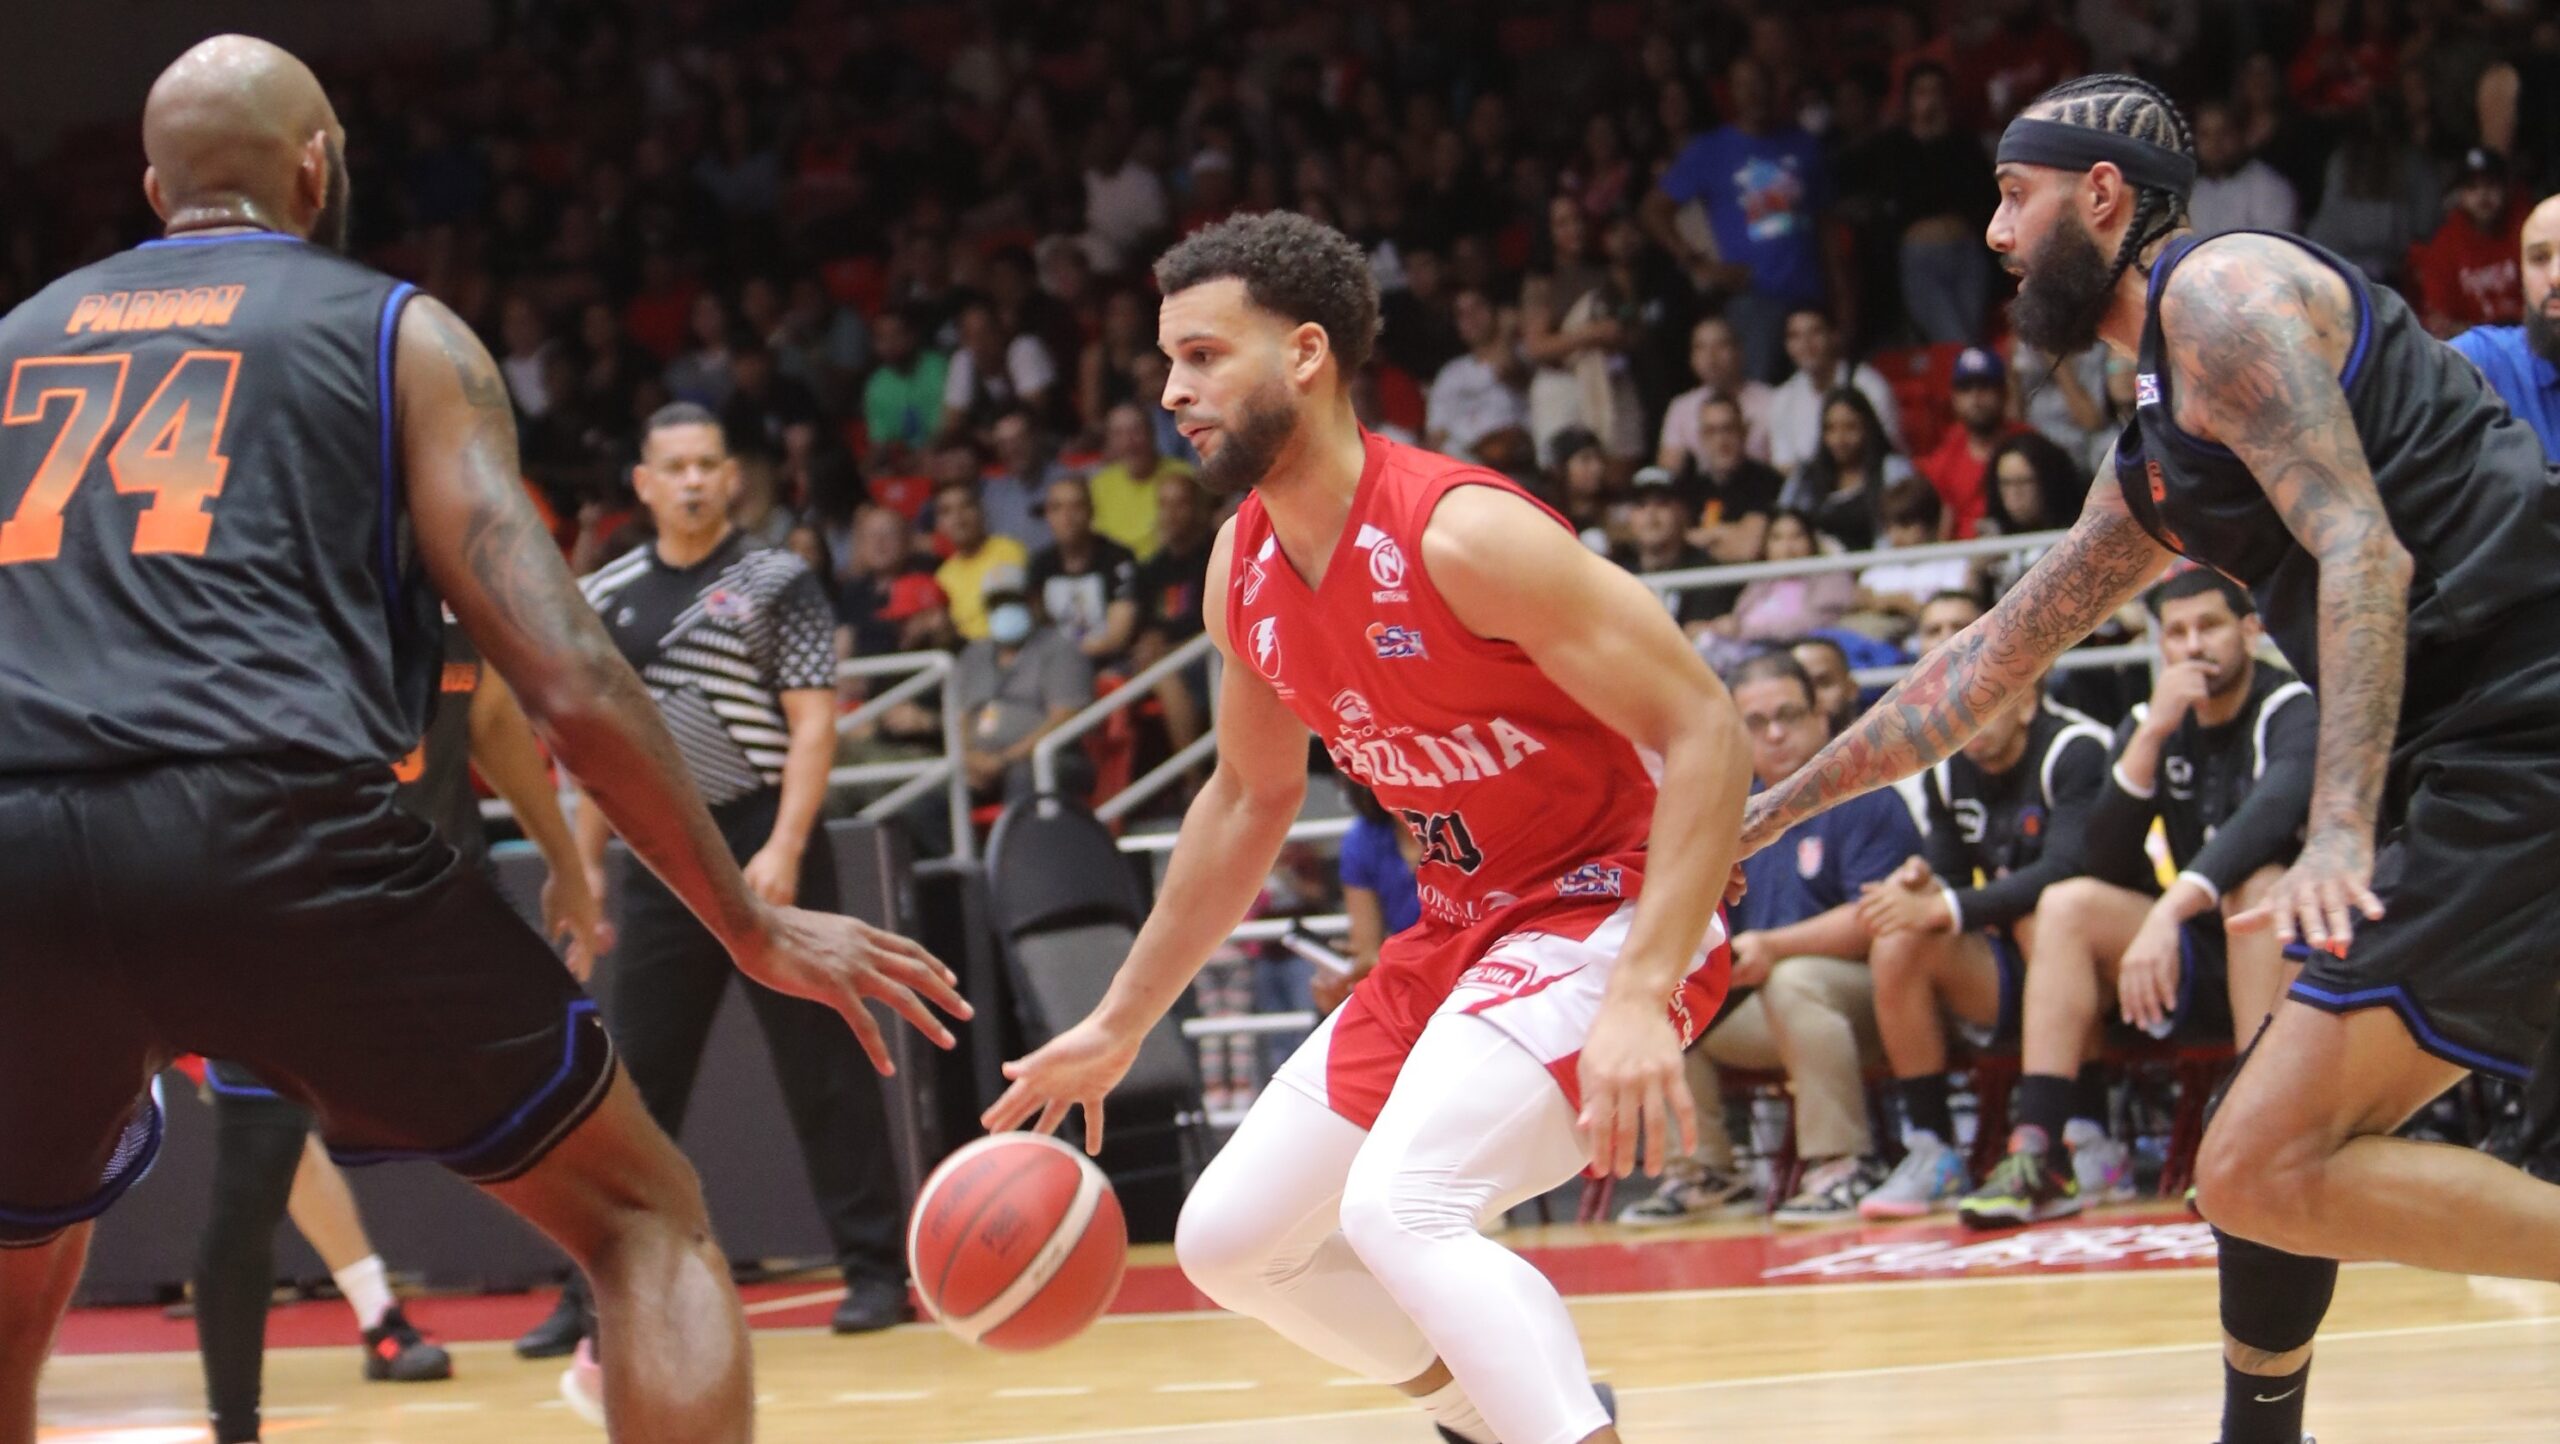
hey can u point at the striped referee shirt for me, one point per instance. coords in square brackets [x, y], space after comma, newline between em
[718, 642]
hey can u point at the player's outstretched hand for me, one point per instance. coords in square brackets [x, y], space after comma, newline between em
[1074, 1069]
[840, 961]
[2318, 898]
[1634, 1088]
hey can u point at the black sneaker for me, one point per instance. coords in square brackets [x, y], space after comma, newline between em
[557, 1336]
[396, 1352]
[871, 1305]
[1608, 1404]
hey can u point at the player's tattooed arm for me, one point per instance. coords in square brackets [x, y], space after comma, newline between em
[2101, 564]
[497, 566]
[2258, 331]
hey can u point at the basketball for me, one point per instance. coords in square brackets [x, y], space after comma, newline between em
[1017, 1242]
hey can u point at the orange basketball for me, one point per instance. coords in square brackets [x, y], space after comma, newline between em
[1017, 1242]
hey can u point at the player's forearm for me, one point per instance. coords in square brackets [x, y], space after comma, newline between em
[2364, 650]
[1697, 819]
[1229, 839]
[804, 781]
[503, 748]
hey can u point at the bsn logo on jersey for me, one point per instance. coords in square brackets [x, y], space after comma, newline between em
[1265, 640]
[1593, 879]
[1396, 643]
[2146, 388]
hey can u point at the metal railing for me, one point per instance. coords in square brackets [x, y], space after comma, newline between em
[916, 777]
[1044, 755]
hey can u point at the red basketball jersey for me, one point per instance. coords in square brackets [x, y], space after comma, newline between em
[1520, 796]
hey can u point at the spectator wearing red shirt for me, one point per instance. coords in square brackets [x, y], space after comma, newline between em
[2465, 274]
[1957, 467]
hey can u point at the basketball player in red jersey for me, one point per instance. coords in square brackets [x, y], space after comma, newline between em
[1534, 716]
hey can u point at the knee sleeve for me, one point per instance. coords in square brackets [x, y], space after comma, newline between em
[2272, 1301]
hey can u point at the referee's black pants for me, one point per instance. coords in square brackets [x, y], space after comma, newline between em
[662, 986]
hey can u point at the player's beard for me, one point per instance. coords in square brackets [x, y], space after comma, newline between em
[330, 227]
[2542, 333]
[1264, 422]
[2062, 292]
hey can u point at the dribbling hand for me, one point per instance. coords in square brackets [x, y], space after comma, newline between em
[841, 961]
[1634, 1088]
[1075, 1069]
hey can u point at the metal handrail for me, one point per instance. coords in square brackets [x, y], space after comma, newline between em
[1312, 829]
[931, 669]
[1687, 579]
[1044, 755]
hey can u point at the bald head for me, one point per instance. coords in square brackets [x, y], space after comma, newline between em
[239, 132]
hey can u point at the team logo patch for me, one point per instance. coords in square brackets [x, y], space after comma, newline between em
[1386, 563]
[2146, 388]
[1593, 879]
[1354, 711]
[1396, 643]
[1808, 856]
[724, 605]
[1494, 974]
[1265, 640]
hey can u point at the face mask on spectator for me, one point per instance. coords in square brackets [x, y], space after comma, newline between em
[1009, 624]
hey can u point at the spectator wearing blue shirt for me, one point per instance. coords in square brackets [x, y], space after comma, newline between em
[1799, 945]
[1764, 187]
[2522, 363]
[1378, 894]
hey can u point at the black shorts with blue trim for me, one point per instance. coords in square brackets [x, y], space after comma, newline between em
[2467, 952]
[285, 915]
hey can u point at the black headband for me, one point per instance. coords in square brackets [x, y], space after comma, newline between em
[2077, 147]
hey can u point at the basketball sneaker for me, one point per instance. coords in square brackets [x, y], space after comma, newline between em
[1930, 1177]
[395, 1352]
[2024, 1189]
[1704, 1193]
[2103, 1166]
[1832, 1192]
[582, 1384]
[1608, 1405]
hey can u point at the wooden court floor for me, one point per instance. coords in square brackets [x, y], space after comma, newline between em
[2091, 1358]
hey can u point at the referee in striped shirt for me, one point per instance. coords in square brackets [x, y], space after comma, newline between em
[737, 645]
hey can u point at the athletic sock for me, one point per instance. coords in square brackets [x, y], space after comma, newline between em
[2263, 1408]
[1451, 1409]
[367, 1288]
[1924, 1105]
[2044, 1103]
[2090, 1095]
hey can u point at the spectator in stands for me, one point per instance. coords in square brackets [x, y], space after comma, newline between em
[1939, 196]
[2070, 403]
[1658, 523]
[1106, 372]
[1979, 401]
[1954, 931]
[2035, 487]
[1801, 946]
[1087, 585]
[2234, 191]
[902, 402]
[1893, 591]
[1172, 590]
[992, 372]
[1477, 409]
[1796, 406]
[1715, 358]
[1128, 484]
[818, 343]
[1577, 483]
[1776, 609]
[763, 404]
[1842, 485]
[1418, 326]
[1941, 617]
[528, 346]
[1378, 857]
[702, 373]
[2465, 274]
[1763, 184]
[1732, 495]
[970, 552]
[2522, 363]
[1015, 491]
[881, 556]
[1014, 685]
[1571, 331]
[2222, 758]
[1835, 689]
[2378, 194]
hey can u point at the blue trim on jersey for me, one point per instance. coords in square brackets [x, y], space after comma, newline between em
[213, 1081]
[2355, 292]
[232, 239]
[108, 1192]
[501, 1132]
[2396, 997]
[387, 336]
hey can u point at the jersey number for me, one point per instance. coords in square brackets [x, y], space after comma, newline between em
[1445, 839]
[171, 449]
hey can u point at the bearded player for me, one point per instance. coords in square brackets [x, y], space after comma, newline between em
[1532, 713]
[2297, 429]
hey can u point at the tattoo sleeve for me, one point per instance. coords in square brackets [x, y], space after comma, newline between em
[2257, 331]
[500, 571]
[2102, 563]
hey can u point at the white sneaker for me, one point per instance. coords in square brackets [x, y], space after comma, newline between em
[2103, 1166]
[1831, 1192]
[1711, 1193]
[582, 1384]
[1930, 1177]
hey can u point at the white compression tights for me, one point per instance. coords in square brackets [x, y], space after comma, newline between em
[1362, 1249]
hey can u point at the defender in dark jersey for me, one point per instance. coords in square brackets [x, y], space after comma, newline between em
[1953, 927]
[2297, 429]
[235, 471]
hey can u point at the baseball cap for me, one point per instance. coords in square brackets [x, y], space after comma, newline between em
[2481, 162]
[1004, 580]
[1979, 366]
[915, 592]
[1653, 478]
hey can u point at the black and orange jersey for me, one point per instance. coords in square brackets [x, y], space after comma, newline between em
[435, 778]
[203, 547]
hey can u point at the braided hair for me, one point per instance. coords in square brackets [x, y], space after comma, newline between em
[2127, 105]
